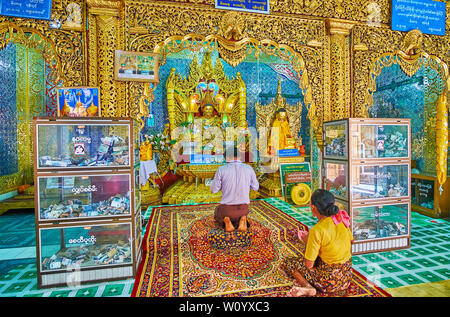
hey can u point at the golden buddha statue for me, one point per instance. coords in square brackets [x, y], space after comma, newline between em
[208, 117]
[146, 151]
[285, 139]
[283, 117]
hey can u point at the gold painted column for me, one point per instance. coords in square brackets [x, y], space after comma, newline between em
[105, 35]
[340, 69]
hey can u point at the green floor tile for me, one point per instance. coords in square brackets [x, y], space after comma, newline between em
[358, 260]
[420, 242]
[370, 269]
[113, 290]
[445, 246]
[429, 233]
[443, 238]
[8, 276]
[60, 293]
[15, 287]
[433, 240]
[422, 251]
[34, 287]
[442, 230]
[390, 282]
[87, 292]
[408, 265]
[438, 249]
[34, 295]
[391, 255]
[28, 275]
[418, 234]
[441, 259]
[429, 276]
[426, 262]
[373, 257]
[410, 279]
[444, 272]
[407, 253]
[391, 268]
[19, 267]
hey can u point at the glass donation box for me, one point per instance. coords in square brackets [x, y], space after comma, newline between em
[87, 202]
[367, 167]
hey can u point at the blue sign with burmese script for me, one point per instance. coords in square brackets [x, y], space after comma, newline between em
[34, 9]
[425, 15]
[288, 152]
[256, 6]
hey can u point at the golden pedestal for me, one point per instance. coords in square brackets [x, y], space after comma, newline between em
[150, 195]
[192, 189]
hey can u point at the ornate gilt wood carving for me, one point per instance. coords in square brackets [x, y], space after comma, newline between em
[170, 28]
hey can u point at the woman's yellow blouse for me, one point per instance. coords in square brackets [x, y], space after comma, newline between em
[331, 242]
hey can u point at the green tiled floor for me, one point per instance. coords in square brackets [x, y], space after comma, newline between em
[428, 260]
[21, 282]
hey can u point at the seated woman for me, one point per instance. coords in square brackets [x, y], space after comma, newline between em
[327, 265]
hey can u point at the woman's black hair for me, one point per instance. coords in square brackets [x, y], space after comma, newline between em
[324, 201]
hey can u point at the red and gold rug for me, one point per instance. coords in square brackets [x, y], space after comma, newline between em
[186, 254]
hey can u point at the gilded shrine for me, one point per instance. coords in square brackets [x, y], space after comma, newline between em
[119, 118]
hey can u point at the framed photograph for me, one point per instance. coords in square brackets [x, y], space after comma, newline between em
[136, 66]
[79, 102]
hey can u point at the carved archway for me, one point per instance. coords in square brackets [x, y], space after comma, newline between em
[33, 40]
[233, 36]
[411, 57]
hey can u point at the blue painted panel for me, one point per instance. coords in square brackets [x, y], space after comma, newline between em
[8, 111]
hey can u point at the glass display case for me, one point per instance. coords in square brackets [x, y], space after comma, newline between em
[84, 196]
[380, 221]
[381, 227]
[373, 141]
[367, 138]
[335, 139]
[379, 181]
[83, 144]
[87, 199]
[367, 167]
[85, 246]
[336, 178]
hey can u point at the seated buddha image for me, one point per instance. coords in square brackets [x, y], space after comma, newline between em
[209, 115]
[285, 138]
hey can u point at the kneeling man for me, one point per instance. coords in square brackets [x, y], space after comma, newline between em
[235, 179]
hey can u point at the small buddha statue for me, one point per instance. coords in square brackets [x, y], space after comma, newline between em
[285, 139]
[146, 151]
[208, 117]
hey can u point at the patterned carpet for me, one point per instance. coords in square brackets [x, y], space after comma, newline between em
[185, 254]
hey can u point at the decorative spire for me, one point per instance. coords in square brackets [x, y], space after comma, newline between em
[279, 100]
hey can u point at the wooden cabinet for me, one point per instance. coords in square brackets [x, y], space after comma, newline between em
[426, 197]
